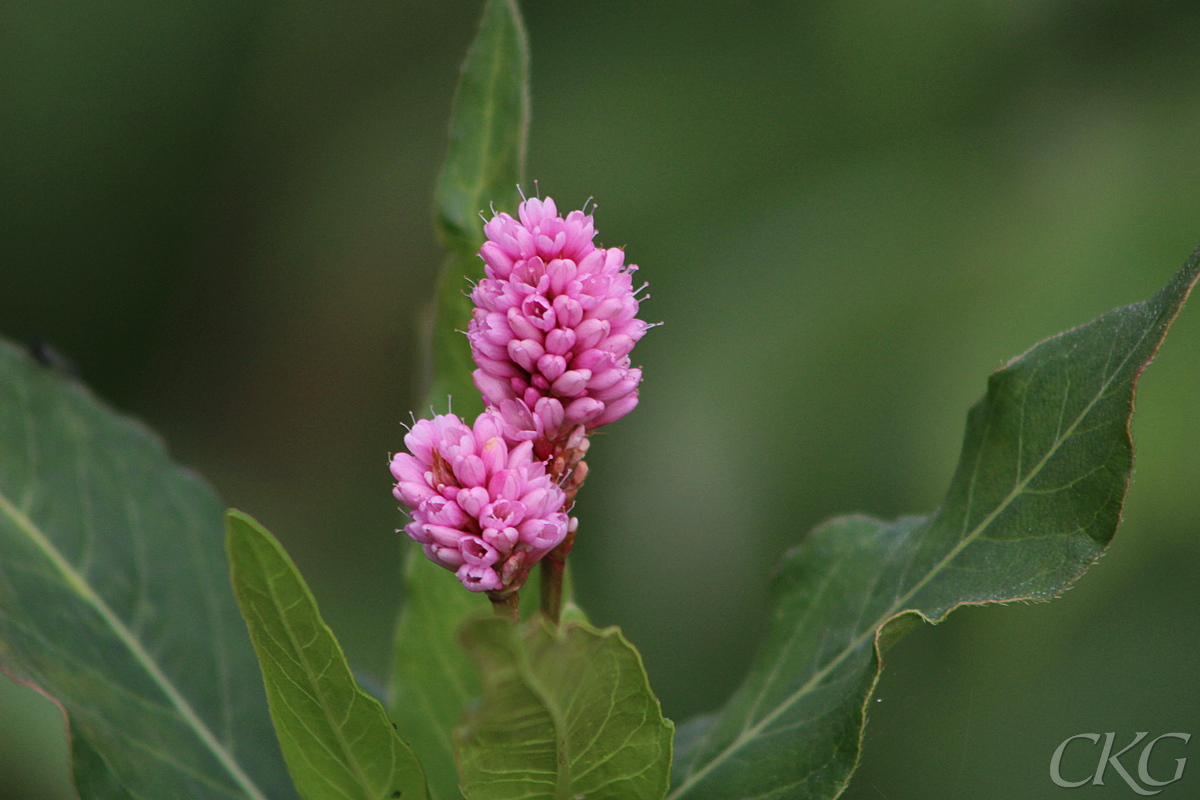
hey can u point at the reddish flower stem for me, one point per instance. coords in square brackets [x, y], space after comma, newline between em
[553, 566]
[568, 469]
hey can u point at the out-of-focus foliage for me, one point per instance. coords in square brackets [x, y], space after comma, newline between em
[114, 601]
[848, 213]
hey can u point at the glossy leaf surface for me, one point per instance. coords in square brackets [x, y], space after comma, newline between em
[566, 712]
[1036, 498]
[115, 600]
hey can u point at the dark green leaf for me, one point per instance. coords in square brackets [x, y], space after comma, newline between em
[114, 600]
[484, 164]
[93, 779]
[338, 742]
[1035, 500]
[433, 678]
[567, 712]
[488, 126]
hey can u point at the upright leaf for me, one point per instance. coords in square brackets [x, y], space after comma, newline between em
[484, 164]
[1035, 500]
[488, 126]
[337, 739]
[114, 600]
[567, 712]
[433, 678]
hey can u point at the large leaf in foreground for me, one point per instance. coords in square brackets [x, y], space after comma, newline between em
[567, 712]
[115, 600]
[338, 741]
[484, 164]
[1035, 500]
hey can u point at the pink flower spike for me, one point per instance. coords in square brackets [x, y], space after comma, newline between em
[570, 310]
[464, 488]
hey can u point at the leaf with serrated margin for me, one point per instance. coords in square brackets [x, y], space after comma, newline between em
[114, 600]
[484, 163]
[567, 712]
[1036, 498]
[337, 739]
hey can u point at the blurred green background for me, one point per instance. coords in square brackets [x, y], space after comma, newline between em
[849, 213]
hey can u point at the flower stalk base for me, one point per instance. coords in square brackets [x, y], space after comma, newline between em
[506, 605]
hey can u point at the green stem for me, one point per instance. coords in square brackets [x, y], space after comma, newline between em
[506, 606]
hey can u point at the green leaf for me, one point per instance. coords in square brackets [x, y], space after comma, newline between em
[337, 740]
[93, 779]
[567, 712]
[484, 164]
[432, 677]
[1035, 500]
[488, 128]
[114, 600]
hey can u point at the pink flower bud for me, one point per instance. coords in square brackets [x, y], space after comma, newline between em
[481, 506]
[555, 320]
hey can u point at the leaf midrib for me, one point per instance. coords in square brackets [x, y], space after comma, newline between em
[80, 586]
[349, 758]
[896, 607]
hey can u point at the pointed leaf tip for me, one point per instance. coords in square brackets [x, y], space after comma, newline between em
[337, 739]
[1035, 499]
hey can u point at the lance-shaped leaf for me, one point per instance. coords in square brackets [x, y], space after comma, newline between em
[1035, 500]
[567, 712]
[485, 161]
[488, 127]
[114, 600]
[338, 742]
